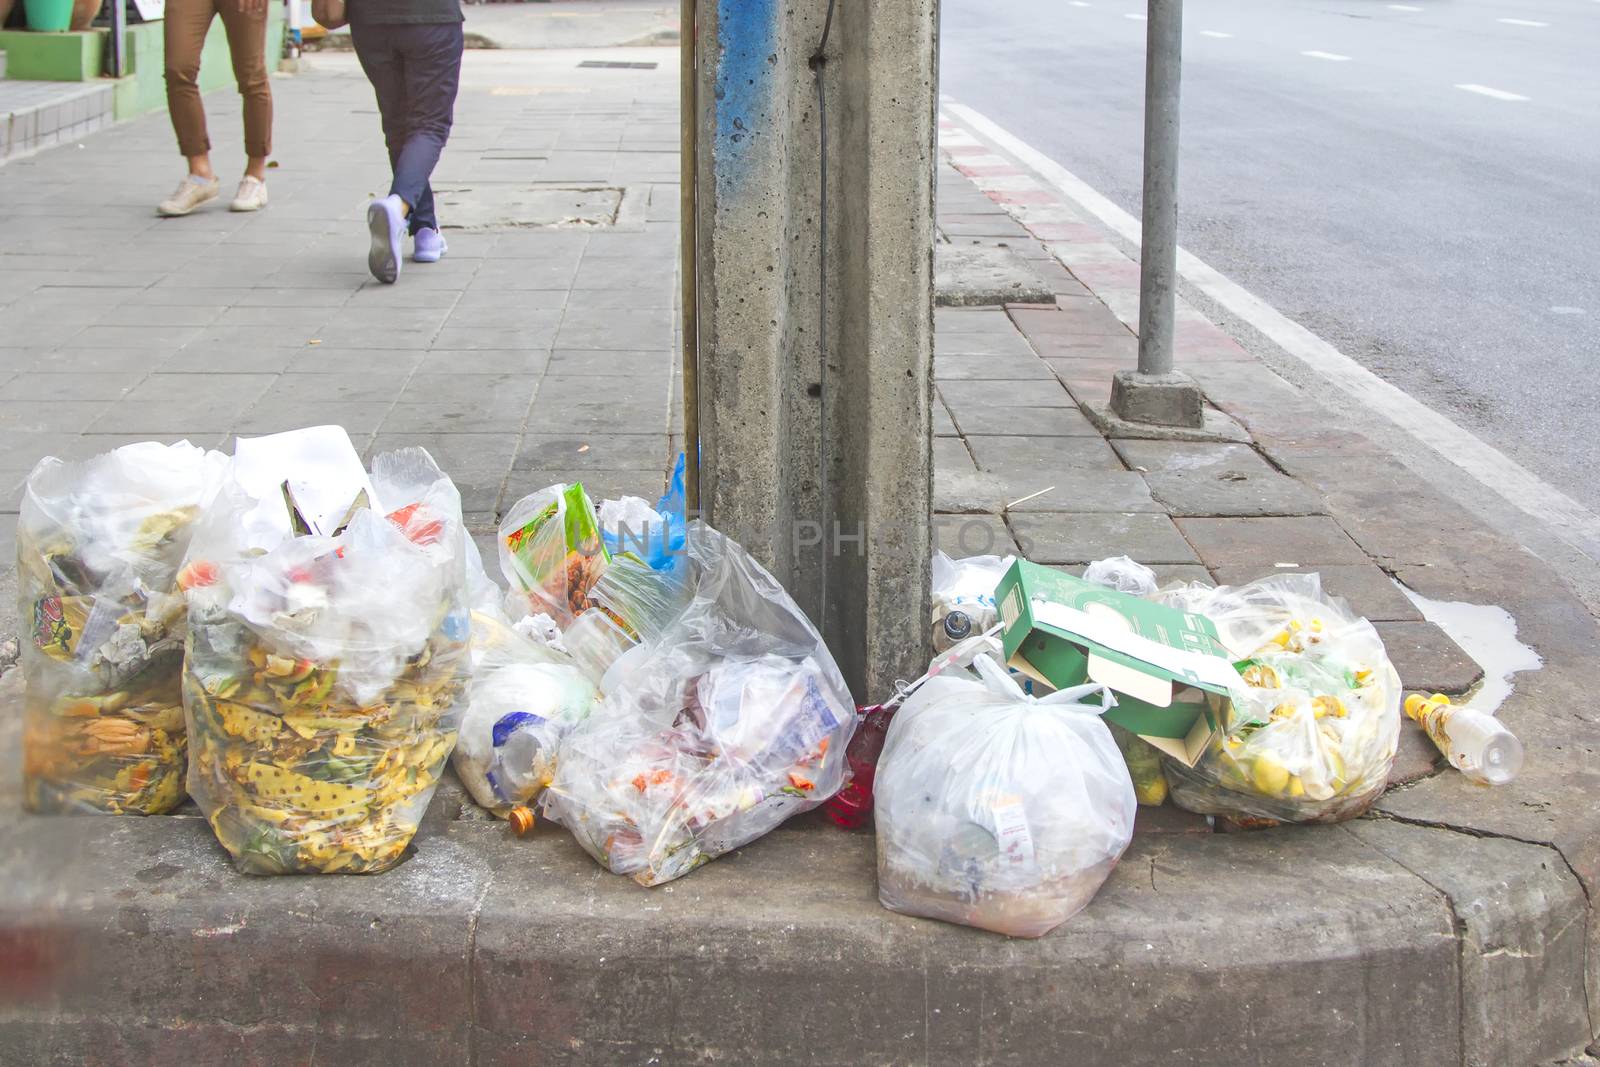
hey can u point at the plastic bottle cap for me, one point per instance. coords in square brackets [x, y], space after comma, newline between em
[521, 820]
[957, 626]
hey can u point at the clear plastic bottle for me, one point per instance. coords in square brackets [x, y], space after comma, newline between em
[1477, 745]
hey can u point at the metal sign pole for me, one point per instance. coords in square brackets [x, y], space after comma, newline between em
[1159, 244]
[1155, 393]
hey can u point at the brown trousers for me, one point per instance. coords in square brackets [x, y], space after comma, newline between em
[187, 22]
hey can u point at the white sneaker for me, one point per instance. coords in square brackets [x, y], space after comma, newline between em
[190, 194]
[252, 195]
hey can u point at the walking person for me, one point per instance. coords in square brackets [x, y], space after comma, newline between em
[411, 52]
[186, 23]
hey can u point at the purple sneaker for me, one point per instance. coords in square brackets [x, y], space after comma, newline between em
[428, 245]
[386, 222]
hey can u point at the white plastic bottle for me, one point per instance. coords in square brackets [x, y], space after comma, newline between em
[1477, 745]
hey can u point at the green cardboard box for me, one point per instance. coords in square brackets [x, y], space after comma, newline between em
[1169, 671]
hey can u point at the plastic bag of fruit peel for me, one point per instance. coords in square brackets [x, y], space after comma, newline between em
[323, 678]
[1313, 731]
[735, 719]
[997, 809]
[102, 623]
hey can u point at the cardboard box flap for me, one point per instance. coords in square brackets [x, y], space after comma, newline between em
[1113, 640]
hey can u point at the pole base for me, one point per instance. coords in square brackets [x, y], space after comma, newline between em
[1158, 399]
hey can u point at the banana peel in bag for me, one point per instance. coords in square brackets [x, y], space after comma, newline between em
[325, 676]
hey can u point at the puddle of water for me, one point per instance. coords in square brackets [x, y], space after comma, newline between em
[1489, 635]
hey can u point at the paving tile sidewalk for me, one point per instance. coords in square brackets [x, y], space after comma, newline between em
[529, 354]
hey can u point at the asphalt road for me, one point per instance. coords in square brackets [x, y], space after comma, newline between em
[1446, 237]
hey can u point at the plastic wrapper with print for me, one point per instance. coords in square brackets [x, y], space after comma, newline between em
[735, 719]
[996, 809]
[102, 626]
[1312, 733]
[325, 673]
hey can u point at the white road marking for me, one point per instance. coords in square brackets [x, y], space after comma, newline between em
[1403, 7]
[1484, 90]
[1334, 57]
[1565, 517]
[1214, 33]
[1563, 309]
[1523, 22]
[1135, 16]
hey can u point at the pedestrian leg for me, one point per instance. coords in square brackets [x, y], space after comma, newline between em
[184, 29]
[385, 66]
[433, 76]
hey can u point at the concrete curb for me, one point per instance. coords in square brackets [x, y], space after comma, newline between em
[1374, 943]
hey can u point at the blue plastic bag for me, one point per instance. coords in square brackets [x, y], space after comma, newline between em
[659, 546]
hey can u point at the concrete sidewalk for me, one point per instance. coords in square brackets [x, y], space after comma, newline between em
[526, 352]
[1452, 926]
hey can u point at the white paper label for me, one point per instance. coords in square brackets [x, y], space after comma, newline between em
[1011, 830]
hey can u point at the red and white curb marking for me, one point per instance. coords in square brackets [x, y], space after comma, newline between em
[1075, 240]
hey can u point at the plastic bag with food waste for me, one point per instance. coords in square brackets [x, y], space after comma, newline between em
[734, 719]
[1313, 728]
[324, 676]
[102, 626]
[551, 552]
[997, 809]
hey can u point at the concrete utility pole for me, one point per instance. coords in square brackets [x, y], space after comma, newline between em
[815, 320]
[1155, 393]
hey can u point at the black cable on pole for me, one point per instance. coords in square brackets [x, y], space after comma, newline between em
[819, 60]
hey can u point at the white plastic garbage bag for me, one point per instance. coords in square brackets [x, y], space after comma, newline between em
[997, 809]
[733, 720]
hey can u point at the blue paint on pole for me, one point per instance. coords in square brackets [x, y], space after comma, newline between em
[747, 39]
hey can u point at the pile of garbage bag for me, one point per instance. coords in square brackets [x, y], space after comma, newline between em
[102, 623]
[325, 668]
[302, 644]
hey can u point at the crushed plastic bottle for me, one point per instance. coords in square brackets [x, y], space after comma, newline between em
[1477, 745]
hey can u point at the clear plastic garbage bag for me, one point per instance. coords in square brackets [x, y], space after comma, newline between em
[1313, 731]
[1122, 574]
[733, 720]
[551, 552]
[996, 809]
[102, 626]
[524, 698]
[324, 677]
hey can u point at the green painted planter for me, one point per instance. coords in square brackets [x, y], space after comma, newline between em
[48, 15]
